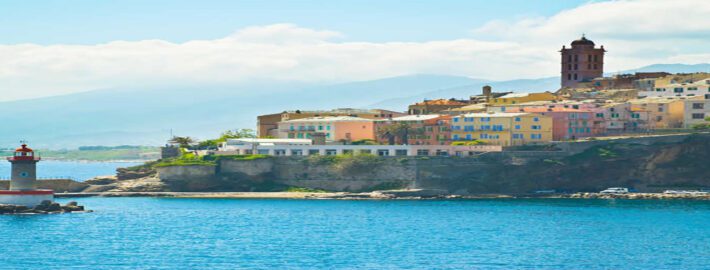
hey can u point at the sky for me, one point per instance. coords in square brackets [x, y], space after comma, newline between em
[59, 47]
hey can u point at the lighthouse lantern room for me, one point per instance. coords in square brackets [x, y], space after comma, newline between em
[24, 180]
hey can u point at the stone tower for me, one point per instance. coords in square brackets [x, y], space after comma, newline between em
[24, 169]
[581, 63]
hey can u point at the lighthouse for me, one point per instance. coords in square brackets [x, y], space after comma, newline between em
[24, 180]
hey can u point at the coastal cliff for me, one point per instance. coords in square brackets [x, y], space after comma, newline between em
[647, 164]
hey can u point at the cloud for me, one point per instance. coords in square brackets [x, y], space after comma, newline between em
[635, 33]
[281, 52]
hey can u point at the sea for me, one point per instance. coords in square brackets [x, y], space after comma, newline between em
[75, 170]
[172, 233]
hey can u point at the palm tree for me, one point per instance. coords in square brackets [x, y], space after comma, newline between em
[184, 142]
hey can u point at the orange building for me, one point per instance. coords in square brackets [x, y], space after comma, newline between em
[335, 128]
[267, 124]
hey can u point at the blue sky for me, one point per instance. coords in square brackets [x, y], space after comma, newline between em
[91, 21]
[59, 47]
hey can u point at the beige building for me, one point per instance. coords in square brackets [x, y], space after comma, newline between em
[663, 113]
[695, 111]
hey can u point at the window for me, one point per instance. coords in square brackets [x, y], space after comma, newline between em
[497, 127]
[485, 119]
[698, 106]
[312, 152]
[297, 152]
[614, 115]
[517, 119]
[487, 127]
[569, 77]
[517, 136]
[422, 152]
[536, 119]
[456, 127]
[589, 58]
[595, 66]
[678, 90]
[576, 58]
[575, 67]
[692, 89]
[484, 136]
[455, 137]
[517, 126]
[698, 116]
[327, 127]
[468, 128]
[660, 90]
[660, 108]
[569, 67]
[383, 152]
[575, 76]
[468, 136]
[535, 136]
[596, 59]
[400, 152]
[635, 115]
[536, 127]
[456, 120]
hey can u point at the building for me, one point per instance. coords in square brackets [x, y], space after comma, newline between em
[296, 149]
[581, 63]
[681, 78]
[570, 123]
[624, 81]
[517, 98]
[695, 111]
[473, 108]
[429, 129]
[267, 125]
[622, 117]
[699, 88]
[663, 113]
[486, 95]
[24, 180]
[435, 106]
[505, 129]
[335, 128]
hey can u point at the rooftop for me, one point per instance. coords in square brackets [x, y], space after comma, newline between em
[497, 114]
[441, 102]
[414, 117]
[329, 119]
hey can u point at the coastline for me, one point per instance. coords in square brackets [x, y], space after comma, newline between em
[379, 195]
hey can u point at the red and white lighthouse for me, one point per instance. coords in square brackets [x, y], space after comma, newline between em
[24, 180]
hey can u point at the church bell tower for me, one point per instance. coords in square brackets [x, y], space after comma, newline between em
[581, 63]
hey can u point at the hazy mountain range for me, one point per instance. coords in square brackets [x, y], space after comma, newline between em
[147, 116]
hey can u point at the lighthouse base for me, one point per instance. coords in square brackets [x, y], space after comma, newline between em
[29, 198]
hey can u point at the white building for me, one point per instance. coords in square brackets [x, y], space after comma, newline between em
[299, 148]
[696, 89]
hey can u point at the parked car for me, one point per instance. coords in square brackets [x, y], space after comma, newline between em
[615, 190]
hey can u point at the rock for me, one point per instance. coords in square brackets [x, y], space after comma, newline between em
[72, 203]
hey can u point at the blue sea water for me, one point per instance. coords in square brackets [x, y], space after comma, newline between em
[77, 170]
[168, 233]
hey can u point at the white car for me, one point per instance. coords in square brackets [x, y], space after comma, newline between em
[615, 190]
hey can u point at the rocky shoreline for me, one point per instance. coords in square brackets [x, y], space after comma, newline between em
[46, 207]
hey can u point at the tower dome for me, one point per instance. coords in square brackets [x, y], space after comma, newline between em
[583, 41]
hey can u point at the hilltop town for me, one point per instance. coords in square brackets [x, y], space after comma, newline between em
[587, 106]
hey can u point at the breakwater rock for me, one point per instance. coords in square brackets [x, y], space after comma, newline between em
[46, 207]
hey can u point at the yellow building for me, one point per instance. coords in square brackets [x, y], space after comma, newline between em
[504, 129]
[662, 112]
[517, 98]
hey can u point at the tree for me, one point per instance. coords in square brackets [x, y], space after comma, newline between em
[229, 134]
[401, 130]
[184, 142]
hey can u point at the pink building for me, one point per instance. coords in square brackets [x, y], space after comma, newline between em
[569, 123]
